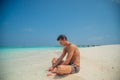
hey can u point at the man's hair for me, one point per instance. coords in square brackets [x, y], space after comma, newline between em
[61, 37]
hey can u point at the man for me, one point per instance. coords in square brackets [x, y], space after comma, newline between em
[72, 62]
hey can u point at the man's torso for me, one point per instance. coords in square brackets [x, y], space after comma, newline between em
[76, 54]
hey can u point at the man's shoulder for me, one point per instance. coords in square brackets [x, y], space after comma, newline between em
[73, 45]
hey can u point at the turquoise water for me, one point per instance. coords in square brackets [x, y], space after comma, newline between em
[34, 47]
[14, 52]
[9, 49]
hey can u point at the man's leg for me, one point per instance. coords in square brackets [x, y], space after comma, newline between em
[61, 70]
[64, 69]
[54, 60]
[53, 72]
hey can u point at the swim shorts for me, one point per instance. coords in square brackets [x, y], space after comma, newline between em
[76, 69]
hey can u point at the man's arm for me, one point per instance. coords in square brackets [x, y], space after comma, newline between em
[69, 56]
[60, 58]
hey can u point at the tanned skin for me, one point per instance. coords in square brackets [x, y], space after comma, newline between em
[73, 56]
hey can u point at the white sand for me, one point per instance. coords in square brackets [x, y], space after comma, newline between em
[97, 63]
[100, 63]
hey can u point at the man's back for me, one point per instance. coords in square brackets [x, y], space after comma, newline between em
[75, 57]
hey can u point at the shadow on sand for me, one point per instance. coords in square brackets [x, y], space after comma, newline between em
[66, 77]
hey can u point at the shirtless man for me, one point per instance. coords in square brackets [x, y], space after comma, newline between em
[72, 62]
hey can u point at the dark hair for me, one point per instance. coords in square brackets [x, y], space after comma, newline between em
[61, 37]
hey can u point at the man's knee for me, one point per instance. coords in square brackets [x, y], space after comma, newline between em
[54, 60]
[64, 69]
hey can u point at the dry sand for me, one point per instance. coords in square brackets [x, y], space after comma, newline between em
[97, 63]
[100, 63]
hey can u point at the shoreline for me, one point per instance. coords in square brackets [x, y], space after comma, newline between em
[97, 63]
[53, 46]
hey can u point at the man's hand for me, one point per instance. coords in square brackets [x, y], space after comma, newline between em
[50, 69]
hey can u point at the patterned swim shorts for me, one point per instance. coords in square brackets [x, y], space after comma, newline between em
[76, 69]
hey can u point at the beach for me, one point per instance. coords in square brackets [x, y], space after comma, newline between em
[97, 63]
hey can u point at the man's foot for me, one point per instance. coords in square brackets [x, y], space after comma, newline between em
[54, 70]
[50, 69]
[51, 74]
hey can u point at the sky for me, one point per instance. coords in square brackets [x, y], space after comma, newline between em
[39, 22]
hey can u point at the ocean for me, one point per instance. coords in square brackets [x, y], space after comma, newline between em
[10, 52]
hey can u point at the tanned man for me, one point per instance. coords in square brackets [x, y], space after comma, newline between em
[72, 62]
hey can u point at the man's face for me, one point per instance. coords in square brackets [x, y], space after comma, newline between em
[62, 42]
